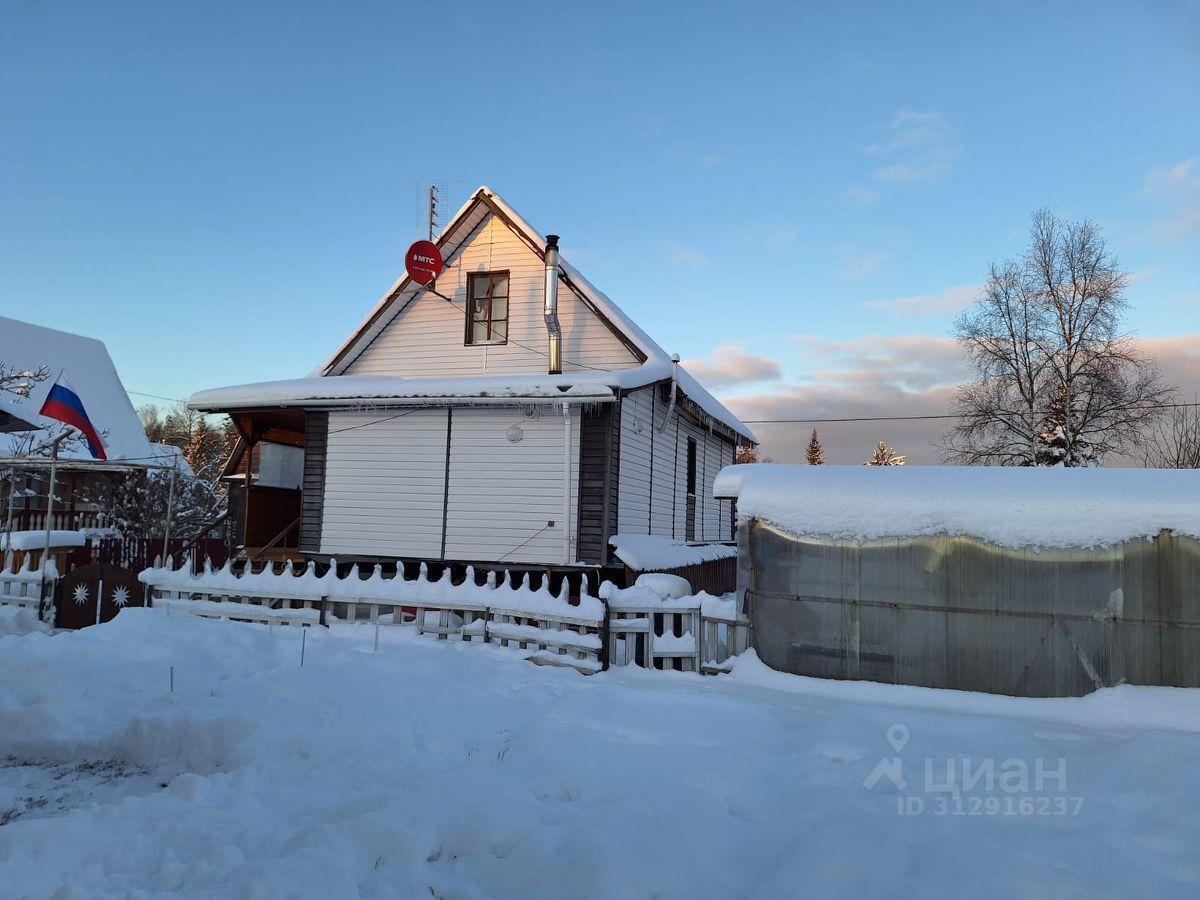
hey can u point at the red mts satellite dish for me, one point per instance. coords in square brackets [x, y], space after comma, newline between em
[423, 262]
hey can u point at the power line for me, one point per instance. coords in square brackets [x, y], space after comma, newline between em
[156, 396]
[511, 340]
[926, 418]
[376, 422]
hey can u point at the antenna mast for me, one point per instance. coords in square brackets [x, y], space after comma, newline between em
[433, 210]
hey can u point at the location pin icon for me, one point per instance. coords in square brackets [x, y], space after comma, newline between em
[897, 736]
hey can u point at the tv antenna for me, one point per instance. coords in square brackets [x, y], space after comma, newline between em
[430, 195]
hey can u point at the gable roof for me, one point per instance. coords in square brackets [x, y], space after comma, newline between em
[90, 369]
[655, 366]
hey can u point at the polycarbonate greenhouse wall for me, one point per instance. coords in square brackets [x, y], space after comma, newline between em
[954, 612]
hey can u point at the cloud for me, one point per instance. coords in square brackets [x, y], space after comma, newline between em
[863, 377]
[731, 365]
[903, 375]
[917, 148]
[924, 173]
[1176, 190]
[1183, 177]
[855, 264]
[781, 237]
[682, 255]
[863, 196]
[1179, 225]
[951, 300]
[1180, 361]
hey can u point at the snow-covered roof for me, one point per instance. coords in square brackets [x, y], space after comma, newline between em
[91, 372]
[657, 366]
[646, 552]
[14, 415]
[1012, 507]
[594, 387]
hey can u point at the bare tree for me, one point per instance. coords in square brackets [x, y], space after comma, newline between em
[20, 381]
[203, 444]
[1172, 441]
[815, 454]
[1057, 383]
[885, 456]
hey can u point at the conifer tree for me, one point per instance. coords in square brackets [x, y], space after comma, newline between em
[885, 456]
[815, 454]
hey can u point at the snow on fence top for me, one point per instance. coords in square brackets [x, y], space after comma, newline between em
[1012, 507]
[36, 540]
[645, 552]
[515, 596]
[27, 573]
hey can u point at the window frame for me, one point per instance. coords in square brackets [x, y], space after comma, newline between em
[470, 318]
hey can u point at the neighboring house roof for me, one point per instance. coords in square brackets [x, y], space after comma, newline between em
[14, 416]
[88, 367]
[655, 366]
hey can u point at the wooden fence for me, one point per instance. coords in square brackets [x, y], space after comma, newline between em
[546, 630]
[23, 587]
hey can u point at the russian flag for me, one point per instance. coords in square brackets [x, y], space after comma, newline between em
[63, 403]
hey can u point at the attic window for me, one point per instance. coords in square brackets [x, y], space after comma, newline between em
[487, 308]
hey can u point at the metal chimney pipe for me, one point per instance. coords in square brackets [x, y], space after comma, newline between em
[550, 312]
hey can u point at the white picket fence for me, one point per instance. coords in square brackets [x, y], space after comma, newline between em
[547, 629]
[23, 587]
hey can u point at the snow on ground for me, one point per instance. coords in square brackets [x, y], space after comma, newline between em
[1008, 505]
[435, 769]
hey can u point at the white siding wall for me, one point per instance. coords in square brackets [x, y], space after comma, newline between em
[502, 494]
[384, 484]
[426, 340]
[633, 501]
[386, 487]
[711, 530]
[663, 475]
[653, 476]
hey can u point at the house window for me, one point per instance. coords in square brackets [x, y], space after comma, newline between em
[487, 308]
[691, 466]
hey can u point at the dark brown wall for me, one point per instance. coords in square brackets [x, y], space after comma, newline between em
[316, 437]
[597, 484]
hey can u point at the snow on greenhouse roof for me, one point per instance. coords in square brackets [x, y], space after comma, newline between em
[1012, 507]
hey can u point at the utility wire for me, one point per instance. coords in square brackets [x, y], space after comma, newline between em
[376, 422]
[917, 418]
[156, 396]
[513, 340]
[523, 543]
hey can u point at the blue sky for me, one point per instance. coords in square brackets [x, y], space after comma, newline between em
[220, 191]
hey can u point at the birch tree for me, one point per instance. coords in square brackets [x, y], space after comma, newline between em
[1057, 381]
[1173, 440]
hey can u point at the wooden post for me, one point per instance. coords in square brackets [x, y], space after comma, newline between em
[49, 514]
[170, 510]
[246, 503]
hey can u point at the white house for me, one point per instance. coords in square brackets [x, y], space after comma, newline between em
[517, 415]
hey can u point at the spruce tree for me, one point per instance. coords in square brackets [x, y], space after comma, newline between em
[815, 454]
[885, 456]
